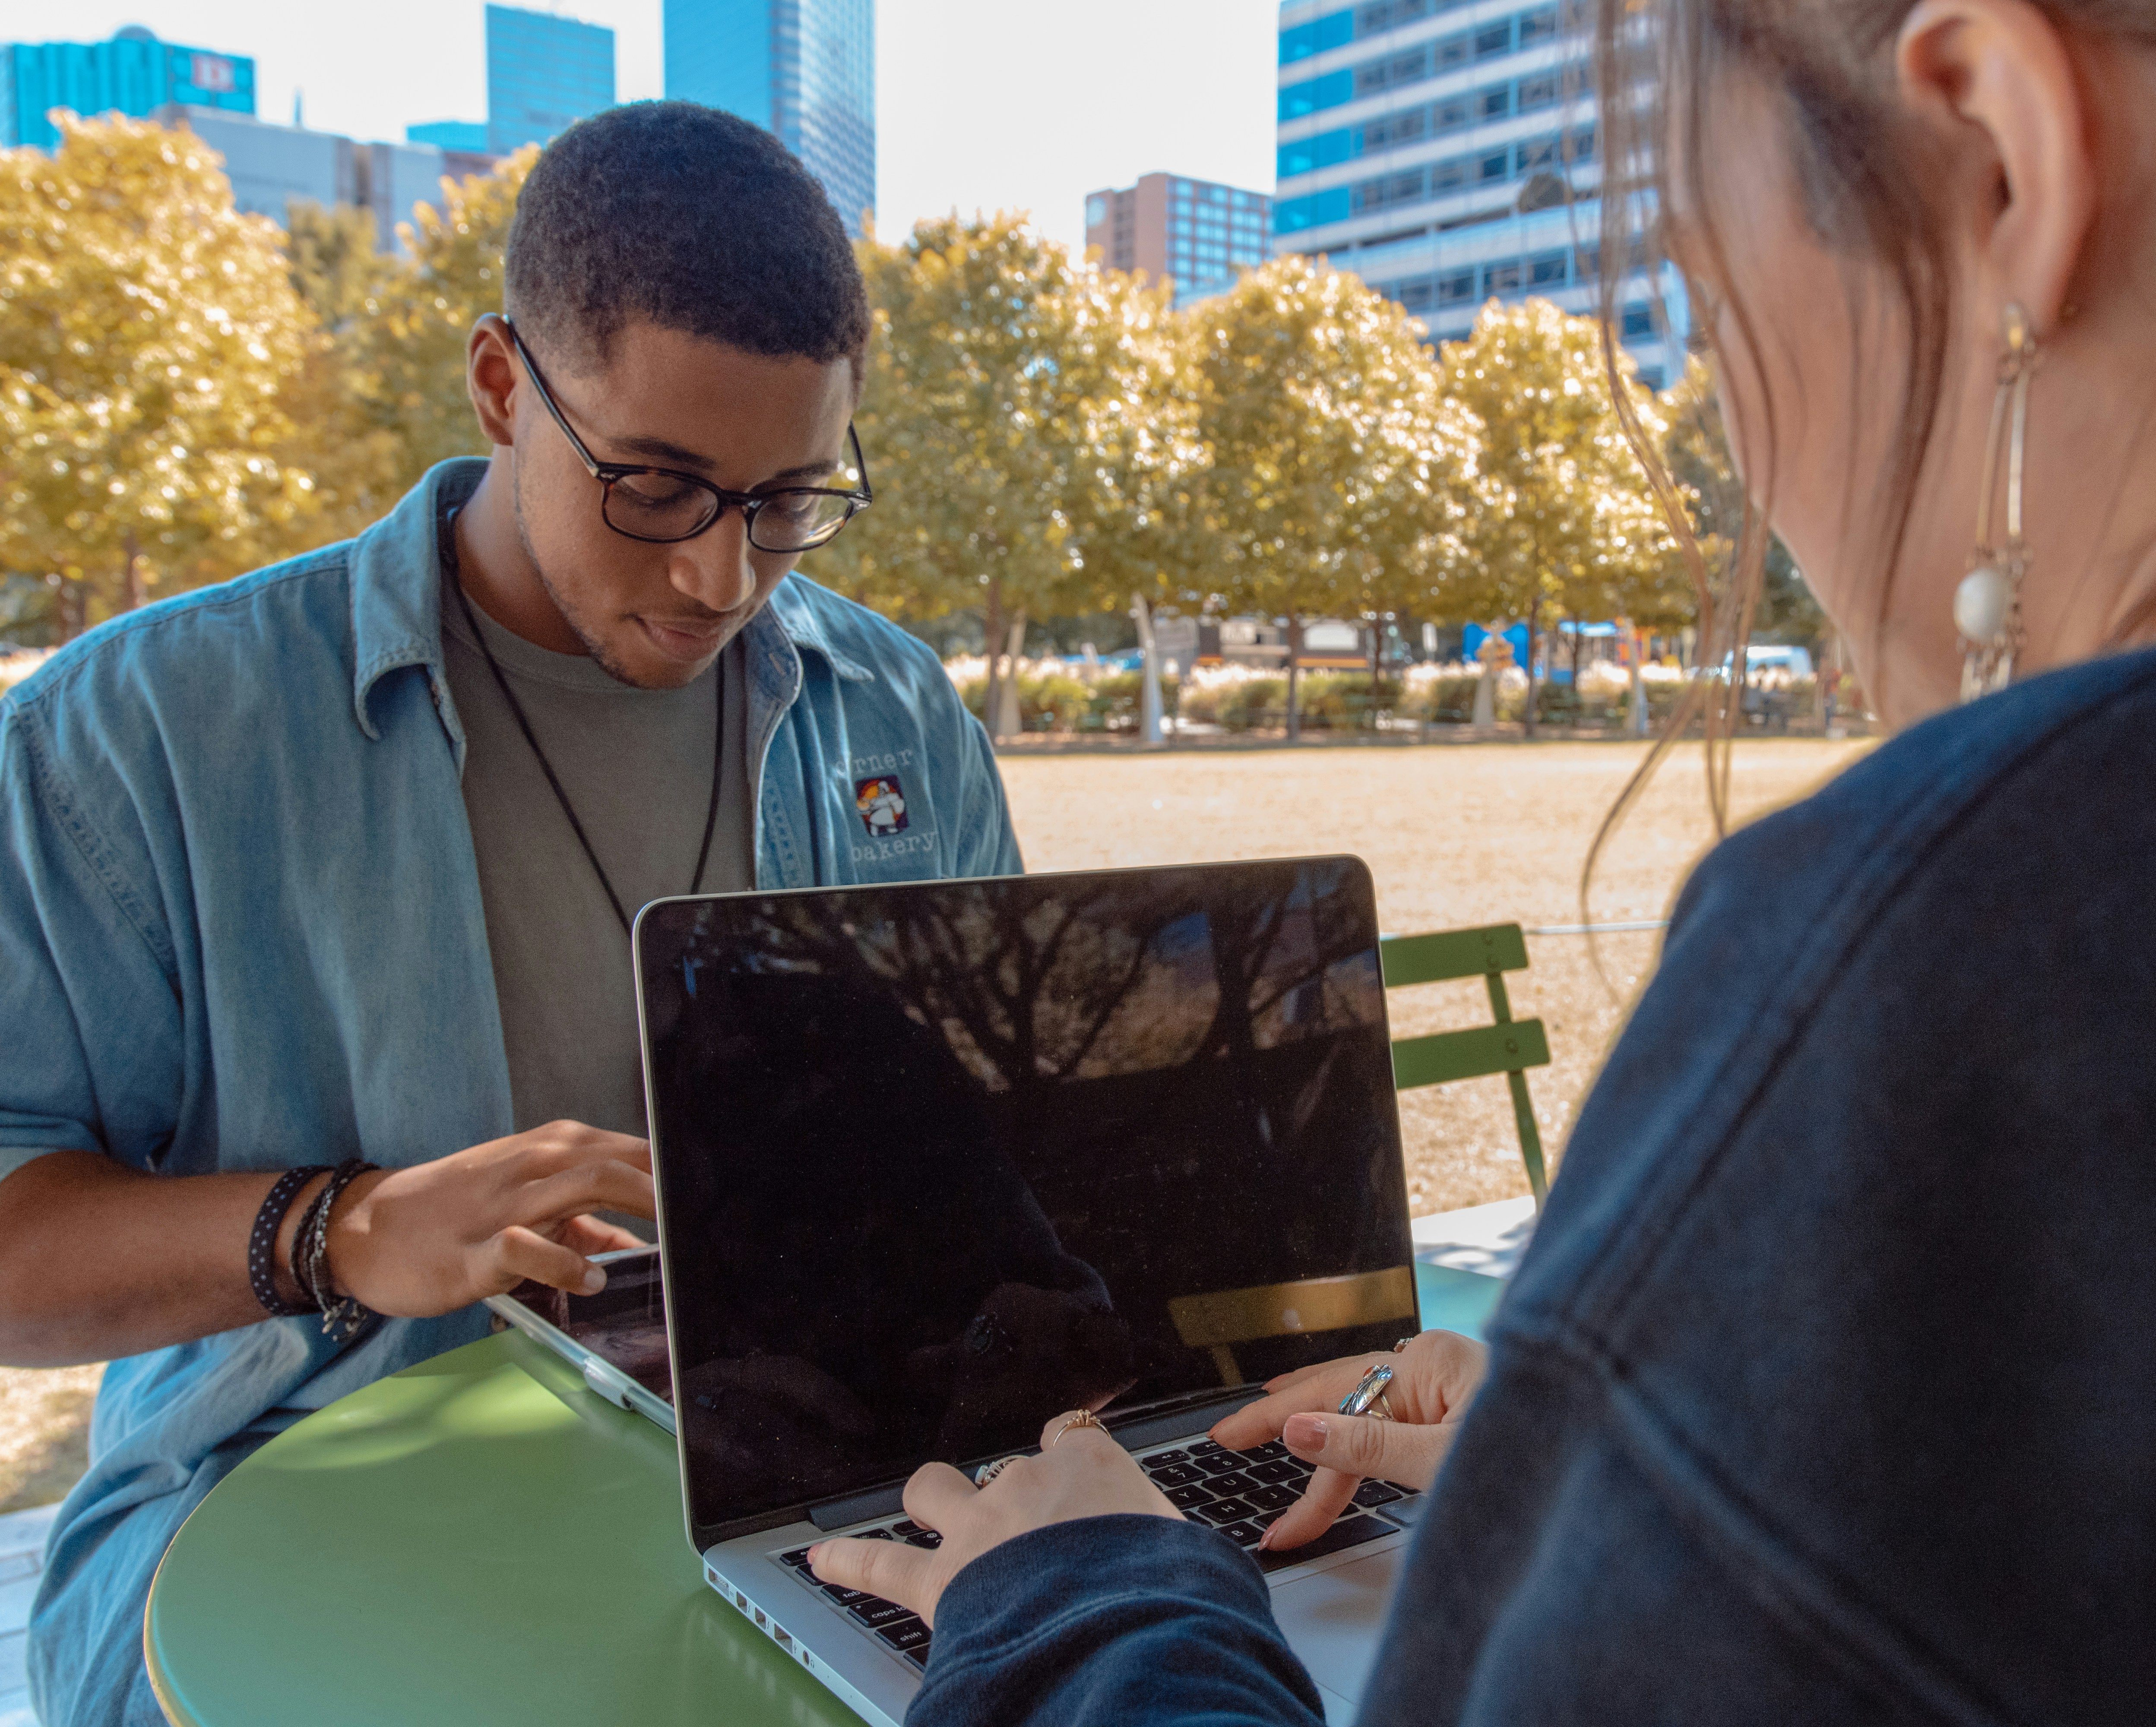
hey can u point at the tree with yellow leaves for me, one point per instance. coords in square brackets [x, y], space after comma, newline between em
[149, 334]
[1024, 429]
[1330, 472]
[1553, 517]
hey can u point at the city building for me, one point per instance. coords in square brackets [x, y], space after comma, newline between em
[803, 69]
[468, 136]
[1195, 233]
[134, 73]
[1429, 146]
[543, 73]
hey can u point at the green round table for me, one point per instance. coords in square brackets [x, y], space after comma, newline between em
[476, 1539]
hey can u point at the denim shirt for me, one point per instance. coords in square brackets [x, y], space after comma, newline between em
[1826, 1392]
[241, 929]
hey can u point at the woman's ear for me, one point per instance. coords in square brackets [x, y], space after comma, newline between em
[2004, 69]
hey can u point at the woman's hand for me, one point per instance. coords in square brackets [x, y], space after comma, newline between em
[1083, 1473]
[1434, 1379]
[437, 1236]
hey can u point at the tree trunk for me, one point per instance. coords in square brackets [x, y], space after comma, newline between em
[1534, 635]
[991, 640]
[72, 604]
[1639, 714]
[1010, 721]
[1294, 677]
[138, 587]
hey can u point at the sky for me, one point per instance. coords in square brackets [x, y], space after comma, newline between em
[981, 104]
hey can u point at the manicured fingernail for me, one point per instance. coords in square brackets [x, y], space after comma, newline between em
[1307, 1430]
[594, 1279]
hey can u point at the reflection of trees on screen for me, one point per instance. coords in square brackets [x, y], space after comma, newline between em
[1101, 978]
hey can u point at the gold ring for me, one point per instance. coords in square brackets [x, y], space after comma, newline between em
[1084, 1418]
[988, 1472]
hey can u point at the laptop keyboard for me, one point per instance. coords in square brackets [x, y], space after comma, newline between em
[1239, 1493]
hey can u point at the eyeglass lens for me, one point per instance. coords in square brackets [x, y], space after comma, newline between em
[660, 506]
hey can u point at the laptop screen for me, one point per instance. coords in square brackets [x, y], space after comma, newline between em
[936, 1161]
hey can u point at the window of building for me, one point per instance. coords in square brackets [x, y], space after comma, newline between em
[1536, 27]
[1451, 175]
[1537, 154]
[1493, 39]
[1546, 269]
[1496, 166]
[1540, 91]
[1494, 103]
[1500, 279]
[1451, 113]
[1456, 288]
[1638, 323]
[1416, 296]
[1651, 376]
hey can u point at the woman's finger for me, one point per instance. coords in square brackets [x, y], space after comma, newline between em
[1320, 1387]
[1363, 1446]
[937, 1495]
[1327, 1494]
[890, 1568]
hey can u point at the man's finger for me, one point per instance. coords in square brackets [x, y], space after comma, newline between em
[890, 1568]
[515, 1254]
[610, 1186]
[594, 1235]
[559, 1145]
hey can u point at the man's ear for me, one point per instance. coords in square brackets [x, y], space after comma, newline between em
[2003, 67]
[491, 377]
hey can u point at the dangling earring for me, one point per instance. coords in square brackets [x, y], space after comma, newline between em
[1987, 608]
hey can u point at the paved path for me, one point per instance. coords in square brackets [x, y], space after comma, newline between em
[1487, 1239]
[21, 1557]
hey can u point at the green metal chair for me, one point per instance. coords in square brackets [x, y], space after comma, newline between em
[1509, 1047]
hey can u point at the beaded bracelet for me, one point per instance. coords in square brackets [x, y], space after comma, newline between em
[262, 1244]
[343, 1318]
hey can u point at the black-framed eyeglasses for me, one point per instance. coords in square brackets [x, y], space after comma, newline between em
[661, 506]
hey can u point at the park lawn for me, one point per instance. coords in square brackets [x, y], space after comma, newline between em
[1454, 836]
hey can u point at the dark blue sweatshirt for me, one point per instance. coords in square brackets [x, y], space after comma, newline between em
[1827, 1390]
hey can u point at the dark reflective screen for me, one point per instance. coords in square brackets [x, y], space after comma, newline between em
[938, 1161]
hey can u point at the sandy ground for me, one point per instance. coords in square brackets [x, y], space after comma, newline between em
[1454, 836]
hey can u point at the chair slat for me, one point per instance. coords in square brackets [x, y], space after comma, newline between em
[1445, 1056]
[1452, 953]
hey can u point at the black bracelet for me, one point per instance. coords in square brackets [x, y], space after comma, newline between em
[262, 1244]
[343, 1319]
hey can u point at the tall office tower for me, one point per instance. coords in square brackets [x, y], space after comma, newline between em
[1199, 234]
[803, 69]
[542, 73]
[1426, 145]
[134, 73]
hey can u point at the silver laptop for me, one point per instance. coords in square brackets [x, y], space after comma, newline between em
[935, 1161]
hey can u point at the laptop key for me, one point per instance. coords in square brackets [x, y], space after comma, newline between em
[1376, 1492]
[924, 1538]
[1275, 1469]
[1168, 1457]
[908, 1633]
[1244, 1534]
[799, 1559]
[1270, 1448]
[1185, 1497]
[918, 1657]
[903, 1527]
[1270, 1498]
[845, 1597]
[1235, 1481]
[875, 1613]
[1348, 1532]
[1221, 1462]
[1206, 1448]
[1175, 1474]
[1222, 1511]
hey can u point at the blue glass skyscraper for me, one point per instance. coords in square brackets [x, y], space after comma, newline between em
[133, 74]
[804, 68]
[542, 73]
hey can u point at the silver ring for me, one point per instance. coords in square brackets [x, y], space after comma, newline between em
[1402, 1344]
[1369, 1393]
[988, 1472]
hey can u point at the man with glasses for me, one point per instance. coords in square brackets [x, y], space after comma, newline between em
[315, 909]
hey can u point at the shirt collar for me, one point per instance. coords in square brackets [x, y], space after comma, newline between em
[396, 592]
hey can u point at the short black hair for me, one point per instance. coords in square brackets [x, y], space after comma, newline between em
[694, 218]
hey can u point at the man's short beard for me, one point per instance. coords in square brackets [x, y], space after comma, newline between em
[604, 660]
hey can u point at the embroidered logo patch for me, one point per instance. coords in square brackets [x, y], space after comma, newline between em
[881, 801]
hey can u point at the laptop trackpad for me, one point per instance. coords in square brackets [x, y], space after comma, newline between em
[1332, 1620]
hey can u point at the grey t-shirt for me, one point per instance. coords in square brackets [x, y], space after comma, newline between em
[636, 764]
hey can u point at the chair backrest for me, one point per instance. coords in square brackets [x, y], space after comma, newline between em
[1509, 1047]
[1222, 1318]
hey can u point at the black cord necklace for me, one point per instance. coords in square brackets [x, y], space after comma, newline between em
[455, 578]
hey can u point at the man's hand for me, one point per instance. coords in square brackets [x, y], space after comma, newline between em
[1434, 1378]
[414, 1242]
[1084, 1474]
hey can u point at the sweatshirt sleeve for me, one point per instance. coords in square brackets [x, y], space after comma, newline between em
[1123, 1619]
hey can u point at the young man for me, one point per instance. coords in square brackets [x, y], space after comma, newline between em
[337, 861]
